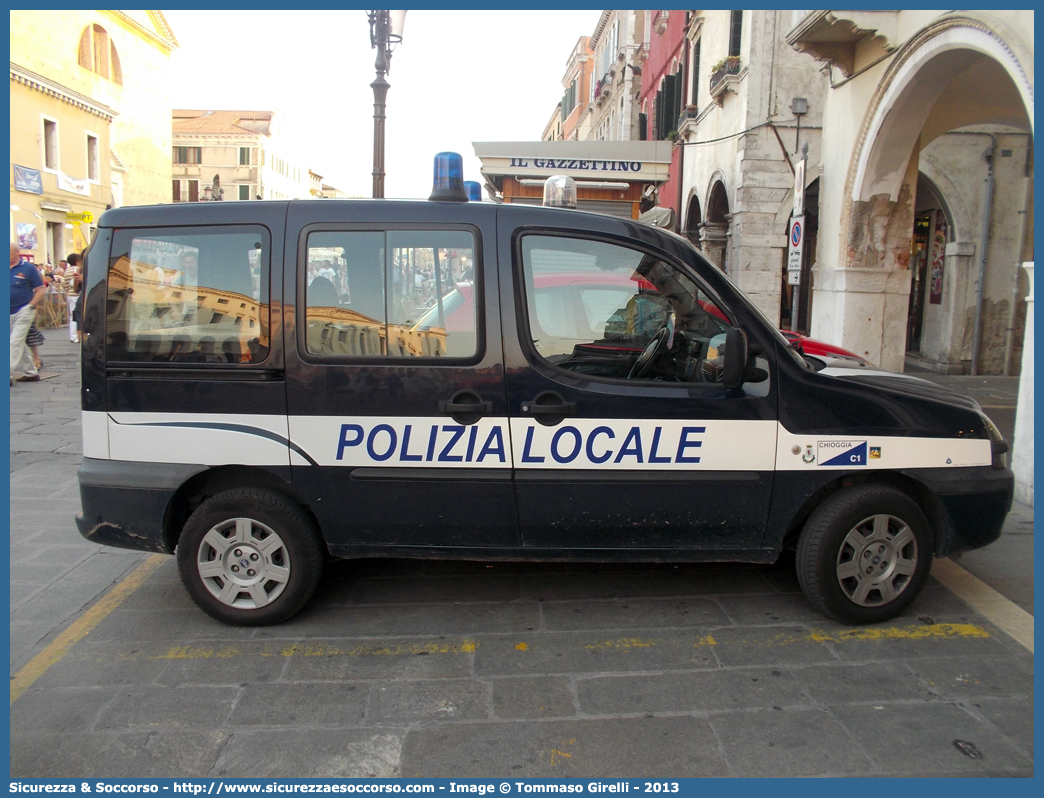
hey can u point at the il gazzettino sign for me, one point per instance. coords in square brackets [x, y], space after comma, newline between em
[645, 161]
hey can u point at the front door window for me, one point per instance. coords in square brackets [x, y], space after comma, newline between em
[608, 311]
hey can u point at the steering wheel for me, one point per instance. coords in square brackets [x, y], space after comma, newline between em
[661, 342]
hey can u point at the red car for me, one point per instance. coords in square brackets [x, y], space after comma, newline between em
[459, 310]
[810, 346]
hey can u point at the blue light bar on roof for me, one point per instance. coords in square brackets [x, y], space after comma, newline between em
[449, 178]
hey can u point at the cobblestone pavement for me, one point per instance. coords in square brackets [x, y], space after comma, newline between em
[424, 668]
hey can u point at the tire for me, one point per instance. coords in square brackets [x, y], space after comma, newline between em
[250, 557]
[878, 527]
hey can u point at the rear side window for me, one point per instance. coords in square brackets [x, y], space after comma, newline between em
[189, 295]
[393, 293]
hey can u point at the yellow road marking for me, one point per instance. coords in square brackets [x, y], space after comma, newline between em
[82, 626]
[623, 643]
[912, 632]
[558, 756]
[324, 650]
[998, 610]
[195, 652]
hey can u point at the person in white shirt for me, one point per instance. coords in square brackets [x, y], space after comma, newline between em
[73, 282]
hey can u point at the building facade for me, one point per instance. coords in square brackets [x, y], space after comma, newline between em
[553, 128]
[662, 96]
[617, 45]
[738, 106]
[89, 121]
[60, 180]
[234, 155]
[578, 88]
[927, 187]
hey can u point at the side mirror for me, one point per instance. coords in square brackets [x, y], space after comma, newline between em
[736, 355]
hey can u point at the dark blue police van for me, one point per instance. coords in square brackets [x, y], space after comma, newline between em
[267, 385]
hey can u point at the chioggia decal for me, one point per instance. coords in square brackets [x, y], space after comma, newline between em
[801, 452]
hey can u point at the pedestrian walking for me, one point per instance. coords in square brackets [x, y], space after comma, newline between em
[34, 339]
[73, 285]
[27, 289]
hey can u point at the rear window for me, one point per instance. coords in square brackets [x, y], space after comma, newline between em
[189, 295]
[390, 294]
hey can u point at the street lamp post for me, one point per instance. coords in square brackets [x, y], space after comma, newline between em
[385, 32]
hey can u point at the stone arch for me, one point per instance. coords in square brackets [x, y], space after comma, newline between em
[715, 230]
[693, 218]
[965, 69]
[907, 95]
[943, 198]
[955, 203]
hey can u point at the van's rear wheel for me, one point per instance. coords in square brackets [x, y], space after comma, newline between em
[864, 554]
[250, 557]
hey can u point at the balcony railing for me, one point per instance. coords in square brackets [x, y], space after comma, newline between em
[687, 120]
[723, 76]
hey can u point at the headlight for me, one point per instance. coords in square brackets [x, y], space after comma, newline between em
[998, 446]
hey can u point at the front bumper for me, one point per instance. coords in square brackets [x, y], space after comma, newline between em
[126, 504]
[975, 502]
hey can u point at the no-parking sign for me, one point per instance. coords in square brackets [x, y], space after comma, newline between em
[795, 246]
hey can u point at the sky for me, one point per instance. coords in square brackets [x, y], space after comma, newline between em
[456, 78]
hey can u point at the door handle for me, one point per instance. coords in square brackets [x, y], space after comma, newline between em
[465, 407]
[549, 408]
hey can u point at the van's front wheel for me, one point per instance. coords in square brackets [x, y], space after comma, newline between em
[249, 557]
[864, 554]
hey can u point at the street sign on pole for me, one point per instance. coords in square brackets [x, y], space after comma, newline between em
[795, 247]
[799, 189]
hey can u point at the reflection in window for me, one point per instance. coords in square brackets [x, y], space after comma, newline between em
[169, 294]
[391, 294]
[594, 307]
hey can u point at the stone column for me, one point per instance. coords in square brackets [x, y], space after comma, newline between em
[863, 310]
[1022, 459]
[714, 238]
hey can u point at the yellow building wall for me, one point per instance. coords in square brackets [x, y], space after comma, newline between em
[29, 107]
[47, 42]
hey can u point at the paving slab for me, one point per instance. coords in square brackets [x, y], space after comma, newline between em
[787, 743]
[324, 754]
[921, 736]
[517, 698]
[135, 755]
[701, 691]
[297, 705]
[667, 747]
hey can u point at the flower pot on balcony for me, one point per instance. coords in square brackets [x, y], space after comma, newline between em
[723, 75]
[687, 120]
